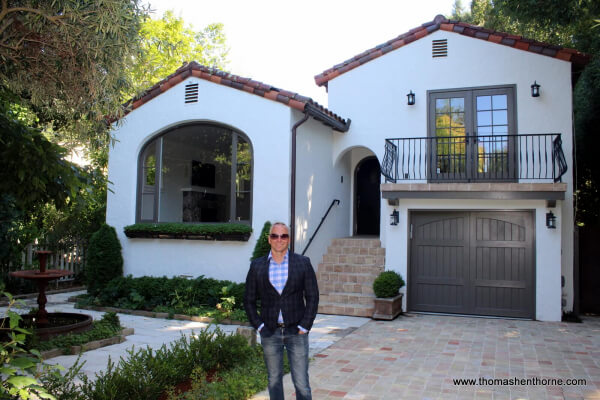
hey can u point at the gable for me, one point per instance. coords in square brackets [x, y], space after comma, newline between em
[577, 59]
[268, 92]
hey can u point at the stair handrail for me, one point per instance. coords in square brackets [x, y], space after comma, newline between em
[320, 223]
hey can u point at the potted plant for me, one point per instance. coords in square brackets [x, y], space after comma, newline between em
[388, 300]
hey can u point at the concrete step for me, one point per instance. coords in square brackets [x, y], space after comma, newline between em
[356, 242]
[355, 259]
[347, 298]
[345, 309]
[330, 287]
[347, 277]
[351, 268]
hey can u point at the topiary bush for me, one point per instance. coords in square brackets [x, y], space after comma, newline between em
[104, 259]
[387, 284]
[262, 246]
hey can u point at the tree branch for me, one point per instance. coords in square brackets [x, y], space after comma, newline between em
[55, 19]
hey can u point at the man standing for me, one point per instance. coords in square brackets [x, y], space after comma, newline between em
[286, 285]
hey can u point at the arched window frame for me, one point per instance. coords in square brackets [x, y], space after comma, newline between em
[157, 141]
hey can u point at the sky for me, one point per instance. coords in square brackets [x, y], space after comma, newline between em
[285, 44]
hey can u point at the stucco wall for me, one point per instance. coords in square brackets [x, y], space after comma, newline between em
[319, 182]
[374, 97]
[547, 244]
[267, 125]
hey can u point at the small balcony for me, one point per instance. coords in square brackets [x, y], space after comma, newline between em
[522, 158]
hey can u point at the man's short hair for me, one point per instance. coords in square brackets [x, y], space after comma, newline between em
[281, 224]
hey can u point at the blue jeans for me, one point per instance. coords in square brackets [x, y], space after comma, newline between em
[297, 351]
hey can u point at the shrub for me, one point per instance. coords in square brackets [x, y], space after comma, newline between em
[262, 246]
[172, 295]
[387, 284]
[210, 231]
[105, 261]
[145, 373]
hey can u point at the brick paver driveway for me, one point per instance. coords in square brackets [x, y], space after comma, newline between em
[420, 356]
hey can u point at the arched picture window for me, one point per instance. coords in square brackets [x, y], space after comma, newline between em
[196, 173]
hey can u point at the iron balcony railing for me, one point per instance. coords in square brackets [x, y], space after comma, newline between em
[475, 158]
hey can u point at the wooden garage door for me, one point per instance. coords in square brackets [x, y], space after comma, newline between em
[472, 263]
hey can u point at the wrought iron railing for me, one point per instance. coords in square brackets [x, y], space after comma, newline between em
[488, 158]
[334, 202]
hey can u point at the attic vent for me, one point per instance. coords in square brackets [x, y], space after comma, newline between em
[439, 48]
[191, 93]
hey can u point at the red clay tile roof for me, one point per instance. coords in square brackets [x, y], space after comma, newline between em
[291, 99]
[440, 22]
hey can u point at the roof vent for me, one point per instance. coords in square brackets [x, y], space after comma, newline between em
[191, 93]
[439, 48]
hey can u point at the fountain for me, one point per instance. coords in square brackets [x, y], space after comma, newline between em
[47, 325]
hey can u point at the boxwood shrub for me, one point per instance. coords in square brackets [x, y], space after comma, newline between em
[387, 284]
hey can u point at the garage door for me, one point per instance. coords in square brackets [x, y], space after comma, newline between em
[472, 263]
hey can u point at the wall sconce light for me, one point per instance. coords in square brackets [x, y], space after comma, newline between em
[411, 98]
[535, 89]
[394, 217]
[550, 220]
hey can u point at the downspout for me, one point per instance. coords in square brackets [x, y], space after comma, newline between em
[293, 183]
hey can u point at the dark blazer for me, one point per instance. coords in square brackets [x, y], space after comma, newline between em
[298, 302]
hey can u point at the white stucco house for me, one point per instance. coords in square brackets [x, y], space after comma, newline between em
[444, 154]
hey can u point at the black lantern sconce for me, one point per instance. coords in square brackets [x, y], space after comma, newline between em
[394, 217]
[550, 220]
[411, 98]
[535, 89]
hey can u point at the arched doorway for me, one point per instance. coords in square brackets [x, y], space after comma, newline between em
[367, 197]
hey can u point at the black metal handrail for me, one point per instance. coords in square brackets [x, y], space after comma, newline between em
[488, 158]
[320, 223]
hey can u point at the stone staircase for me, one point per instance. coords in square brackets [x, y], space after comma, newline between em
[346, 276]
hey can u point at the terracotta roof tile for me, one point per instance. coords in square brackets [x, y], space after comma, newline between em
[440, 22]
[291, 99]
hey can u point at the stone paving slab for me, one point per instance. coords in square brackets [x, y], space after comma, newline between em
[418, 356]
[156, 332]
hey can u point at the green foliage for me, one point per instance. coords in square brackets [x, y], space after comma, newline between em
[166, 44]
[33, 170]
[145, 373]
[107, 327]
[238, 383]
[180, 228]
[67, 60]
[198, 296]
[387, 284]
[19, 375]
[587, 120]
[262, 246]
[105, 261]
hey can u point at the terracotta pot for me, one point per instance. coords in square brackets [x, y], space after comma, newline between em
[387, 308]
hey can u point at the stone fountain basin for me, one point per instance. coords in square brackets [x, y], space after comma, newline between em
[49, 274]
[59, 324]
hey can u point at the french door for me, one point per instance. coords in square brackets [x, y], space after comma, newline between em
[471, 135]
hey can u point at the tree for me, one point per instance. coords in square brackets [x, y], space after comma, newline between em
[67, 60]
[167, 43]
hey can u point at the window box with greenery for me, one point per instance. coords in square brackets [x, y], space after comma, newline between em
[388, 299]
[227, 231]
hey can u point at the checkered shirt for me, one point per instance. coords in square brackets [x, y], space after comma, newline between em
[278, 275]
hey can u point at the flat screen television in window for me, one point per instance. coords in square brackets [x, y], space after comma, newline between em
[203, 174]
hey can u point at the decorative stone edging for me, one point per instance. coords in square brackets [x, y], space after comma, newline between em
[164, 315]
[93, 345]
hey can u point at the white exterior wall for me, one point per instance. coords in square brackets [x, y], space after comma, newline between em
[267, 125]
[547, 244]
[374, 97]
[319, 181]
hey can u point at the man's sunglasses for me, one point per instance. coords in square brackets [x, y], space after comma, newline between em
[283, 236]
